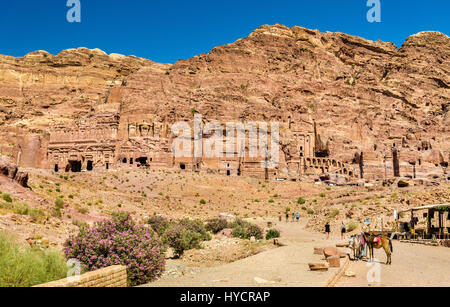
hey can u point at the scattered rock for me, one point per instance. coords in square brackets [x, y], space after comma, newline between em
[334, 261]
[318, 266]
[22, 178]
[350, 274]
[403, 184]
[260, 280]
[343, 244]
[220, 280]
[331, 251]
[279, 242]
[9, 169]
[318, 251]
[226, 216]
[227, 233]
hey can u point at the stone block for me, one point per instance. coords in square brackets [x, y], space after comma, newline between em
[330, 251]
[334, 262]
[318, 266]
[318, 251]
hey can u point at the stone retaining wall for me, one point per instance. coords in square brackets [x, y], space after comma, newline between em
[113, 276]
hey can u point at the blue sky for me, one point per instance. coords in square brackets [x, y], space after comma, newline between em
[165, 31]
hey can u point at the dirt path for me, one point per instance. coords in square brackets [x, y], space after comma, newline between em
[284, 266]
[412, 266]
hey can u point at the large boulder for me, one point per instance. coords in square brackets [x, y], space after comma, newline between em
[330, 251]
[227, 232]
[403, 183]
[9, 169]
[333, 251]
[22, 178]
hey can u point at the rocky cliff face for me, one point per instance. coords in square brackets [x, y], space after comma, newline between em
[39, 89]
[365, 97]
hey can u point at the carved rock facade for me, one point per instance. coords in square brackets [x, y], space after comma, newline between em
[370, 109]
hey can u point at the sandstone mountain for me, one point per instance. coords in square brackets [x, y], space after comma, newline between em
[364, 96]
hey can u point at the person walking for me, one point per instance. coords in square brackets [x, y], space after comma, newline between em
[327, 230]
[287, 217]
[293, 216]
[298, 217]
[343, 231]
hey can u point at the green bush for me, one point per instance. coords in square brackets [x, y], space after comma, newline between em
[80, 224]
[22, 266]
[6, 197]
[158, 224]
[36, 215]
[216, 225]
[196, 226]
[59, 203]
[272, 234]
[120, 215]
[245, 230]
[352, 226]
[239, 232]
[334, 213]
[443, 208]
[310, 211]
[301, 201]
[181, 239]
[202, 202]
[23, 209]
[253, 231]
[184, 235]
[322, 195]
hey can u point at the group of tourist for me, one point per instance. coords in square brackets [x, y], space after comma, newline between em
[295, 216]
[328, 230]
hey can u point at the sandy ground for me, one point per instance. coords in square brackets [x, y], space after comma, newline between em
[286, 266]
[92, 196]
[89, 197]
[413, 265]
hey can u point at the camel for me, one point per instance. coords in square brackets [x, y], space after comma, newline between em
[377, 242]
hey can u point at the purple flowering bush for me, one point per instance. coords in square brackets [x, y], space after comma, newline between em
[216, 225]
[119, 241]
